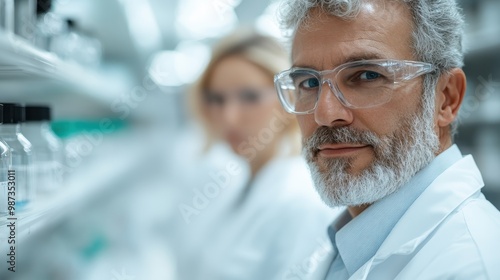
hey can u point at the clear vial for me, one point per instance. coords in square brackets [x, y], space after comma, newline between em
[46, 148]
[20, 149]
[5, 163]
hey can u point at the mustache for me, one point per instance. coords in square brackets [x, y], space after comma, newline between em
[339, 135]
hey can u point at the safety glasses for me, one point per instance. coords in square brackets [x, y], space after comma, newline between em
[359, 84]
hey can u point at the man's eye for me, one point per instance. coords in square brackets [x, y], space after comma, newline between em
[310, 83]
[369, 75]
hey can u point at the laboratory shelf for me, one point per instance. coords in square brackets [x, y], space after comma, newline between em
[21, 62]
[482, 44]
[89, 182]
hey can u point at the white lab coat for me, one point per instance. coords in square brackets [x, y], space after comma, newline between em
[450, 232]
[263, 237]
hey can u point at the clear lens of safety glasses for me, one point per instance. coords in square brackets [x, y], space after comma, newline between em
[360, 84]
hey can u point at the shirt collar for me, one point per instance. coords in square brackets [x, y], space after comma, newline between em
[357, 240]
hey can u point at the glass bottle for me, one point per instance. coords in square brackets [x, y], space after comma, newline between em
[46, 148]
[5, 163]
[20, 149]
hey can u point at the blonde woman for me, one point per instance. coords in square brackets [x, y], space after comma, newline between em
[254, 225]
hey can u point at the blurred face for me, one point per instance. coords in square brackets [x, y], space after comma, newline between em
[358, 156]
[241, 101]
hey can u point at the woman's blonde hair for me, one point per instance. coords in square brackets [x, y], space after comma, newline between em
[264, 52]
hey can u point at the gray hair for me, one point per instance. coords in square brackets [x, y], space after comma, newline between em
[437, 32]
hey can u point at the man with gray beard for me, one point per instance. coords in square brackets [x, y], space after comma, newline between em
[376, 87]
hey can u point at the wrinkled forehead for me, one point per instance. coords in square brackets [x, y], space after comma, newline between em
[379, 30]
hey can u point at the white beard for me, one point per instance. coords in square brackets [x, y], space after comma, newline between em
[398, 157]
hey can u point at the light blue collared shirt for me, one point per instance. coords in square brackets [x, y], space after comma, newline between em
[357, 240]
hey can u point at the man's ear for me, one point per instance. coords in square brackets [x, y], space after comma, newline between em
[449, 96]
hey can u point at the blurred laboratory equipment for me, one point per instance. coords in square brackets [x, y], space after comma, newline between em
[20, 148]
[7, 15]
[46, 148]
[73, 45]
[5, 163]
[48, 24]
[25, 19]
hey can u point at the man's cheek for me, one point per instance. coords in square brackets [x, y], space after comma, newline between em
[307, 125]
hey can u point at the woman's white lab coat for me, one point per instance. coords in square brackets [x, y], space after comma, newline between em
[450, 232]
[275, 225]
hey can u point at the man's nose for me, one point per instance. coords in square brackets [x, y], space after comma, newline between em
[330, 111]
